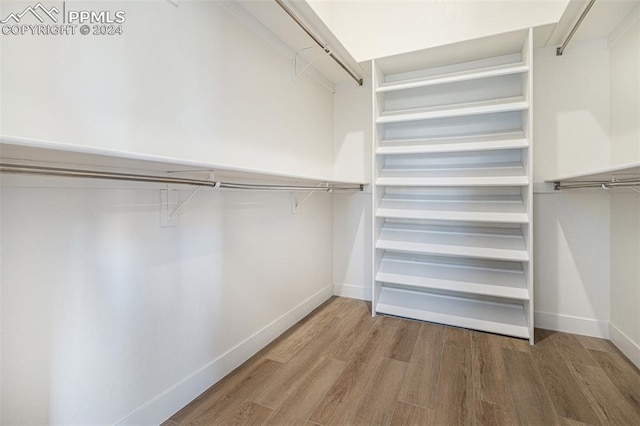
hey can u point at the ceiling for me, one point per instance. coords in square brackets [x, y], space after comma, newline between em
[603, 19]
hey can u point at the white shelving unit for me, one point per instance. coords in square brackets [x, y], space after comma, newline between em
[452, 199]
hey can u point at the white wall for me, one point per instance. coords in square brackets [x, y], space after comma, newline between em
[352, 128]
[187, 82]
[625, 221]
[103, 311]
[571, 132]
[625, 273]
[352, 111]
[572, 262]
[625, 95]
[105, 317]
[352, 241]
[372, 29]
[571, 110]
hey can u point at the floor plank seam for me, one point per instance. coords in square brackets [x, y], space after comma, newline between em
[411, 403]
[437, 384]
[544, 388]
[262, 405]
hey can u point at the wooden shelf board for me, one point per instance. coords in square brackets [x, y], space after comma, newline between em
[493, 317]
[494, 71]
[456, 110]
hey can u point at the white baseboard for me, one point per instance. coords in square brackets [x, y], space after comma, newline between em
[570, 324]
[628, 347]
[177, 396]
[353, 291]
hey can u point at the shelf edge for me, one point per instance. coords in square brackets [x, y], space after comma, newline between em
[129, 155]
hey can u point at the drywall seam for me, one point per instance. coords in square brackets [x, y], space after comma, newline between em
[177, 396]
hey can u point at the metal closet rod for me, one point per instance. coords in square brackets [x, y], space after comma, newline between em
[595, 184]
[560, 50]
[318, 42]
[93, 174]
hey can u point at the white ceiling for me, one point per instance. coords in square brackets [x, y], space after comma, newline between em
[603, 18]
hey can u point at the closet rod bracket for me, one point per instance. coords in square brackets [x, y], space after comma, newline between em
[295, 203]
[169, 205]
[301, 63]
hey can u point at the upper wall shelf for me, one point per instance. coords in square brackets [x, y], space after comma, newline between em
[627, 174]
[605, 173]
[453, 77]
[23, 151]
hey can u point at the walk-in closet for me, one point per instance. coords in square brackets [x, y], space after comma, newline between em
[320, 212]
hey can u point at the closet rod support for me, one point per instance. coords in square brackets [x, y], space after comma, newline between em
[560, 50]
[318, 42]
[295, 204]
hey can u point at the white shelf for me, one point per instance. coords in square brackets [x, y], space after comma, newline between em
[493, 71]
[498, 141]
[451, 199]
[502, 318]
[463, 52]
[602, 174]
[456, 110]
[36, 152]
[486, 175]
[489, 243]
[497, 211]
[454, 277]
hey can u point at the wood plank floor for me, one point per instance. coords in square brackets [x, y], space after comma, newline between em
[340, 366]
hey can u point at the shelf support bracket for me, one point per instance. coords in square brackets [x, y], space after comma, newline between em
[168, 199]
[301, 64]
[169, 205]
[295, 204]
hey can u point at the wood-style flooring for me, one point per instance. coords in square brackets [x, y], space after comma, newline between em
[340, 366]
